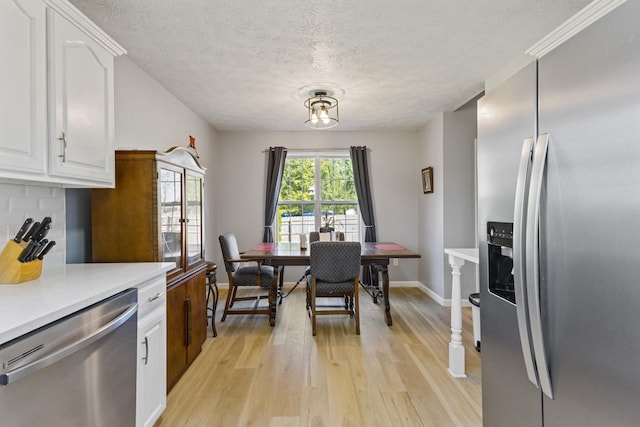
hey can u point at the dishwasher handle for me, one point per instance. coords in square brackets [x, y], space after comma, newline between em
[36, 365]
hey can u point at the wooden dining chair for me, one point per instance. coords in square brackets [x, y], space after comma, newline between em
[334, 272]
[262, 276]
[314, 236]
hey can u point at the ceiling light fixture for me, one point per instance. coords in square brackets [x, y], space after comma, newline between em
[322, 110]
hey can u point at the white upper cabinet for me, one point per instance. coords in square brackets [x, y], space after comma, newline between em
[57, 121]
[23, 119]
[81, 104]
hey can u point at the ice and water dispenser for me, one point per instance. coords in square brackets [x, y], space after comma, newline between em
[500, 245]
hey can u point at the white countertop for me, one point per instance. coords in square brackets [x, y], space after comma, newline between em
[65, 289]
[467, 254]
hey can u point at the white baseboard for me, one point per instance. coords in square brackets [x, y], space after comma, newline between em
[406, 284]
[437, 298]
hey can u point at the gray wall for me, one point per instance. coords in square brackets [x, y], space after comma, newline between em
[431, 211]
[147, 117]
[78, 221]
[395, 180]
[447, 216]
[460, 130]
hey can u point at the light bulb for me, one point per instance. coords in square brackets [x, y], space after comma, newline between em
[324, 115]
[314, 117]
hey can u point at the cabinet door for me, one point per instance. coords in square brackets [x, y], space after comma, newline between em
[23, 87]
[171, 216]
[80, 104]
[176, 334]
[152, 356]
[197, 325]
[194, 215]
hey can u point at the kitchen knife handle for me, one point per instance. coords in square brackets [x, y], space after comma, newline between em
[519, 257]
[533, 262]
[26, 253]
[46, 249]
[41, 245]
[46, 221]
[63, 138]
[44, 229]
[35, 227]
[22, 230]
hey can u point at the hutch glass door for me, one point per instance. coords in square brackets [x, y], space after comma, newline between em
[171, 215]
[194, 218]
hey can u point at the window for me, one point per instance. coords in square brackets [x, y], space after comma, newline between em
[316, 192]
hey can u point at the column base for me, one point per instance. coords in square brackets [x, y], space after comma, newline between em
[456, 361]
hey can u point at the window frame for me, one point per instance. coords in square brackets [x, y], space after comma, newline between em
[317, 203]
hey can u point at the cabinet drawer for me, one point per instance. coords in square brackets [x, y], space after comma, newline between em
[152, 296]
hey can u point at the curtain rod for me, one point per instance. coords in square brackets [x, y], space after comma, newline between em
[314, 150]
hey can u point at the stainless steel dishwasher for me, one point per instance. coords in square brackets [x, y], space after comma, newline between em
[77, 371]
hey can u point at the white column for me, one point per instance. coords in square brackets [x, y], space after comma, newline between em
[456, 349]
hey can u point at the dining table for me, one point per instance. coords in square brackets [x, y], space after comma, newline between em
[375, 254]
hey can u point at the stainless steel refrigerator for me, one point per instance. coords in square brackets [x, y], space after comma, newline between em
[559, 232]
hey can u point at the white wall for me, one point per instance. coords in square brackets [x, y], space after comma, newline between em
[395, 176]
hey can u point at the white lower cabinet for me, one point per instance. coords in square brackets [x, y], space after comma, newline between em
[151, 394]
[152, 383]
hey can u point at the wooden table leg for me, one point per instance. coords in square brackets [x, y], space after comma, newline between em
[385, 293]
[279, 270]
[273, 297]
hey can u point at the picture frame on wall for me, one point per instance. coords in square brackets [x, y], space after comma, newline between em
[427, 180]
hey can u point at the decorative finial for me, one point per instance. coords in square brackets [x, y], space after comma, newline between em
[192, 144]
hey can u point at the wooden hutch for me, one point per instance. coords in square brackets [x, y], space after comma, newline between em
[155, 213]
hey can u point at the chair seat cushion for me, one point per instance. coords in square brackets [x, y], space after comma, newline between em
[247, 276]
[332, 287]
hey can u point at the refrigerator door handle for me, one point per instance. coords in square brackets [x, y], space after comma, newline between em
[519, 257]
[533, 258]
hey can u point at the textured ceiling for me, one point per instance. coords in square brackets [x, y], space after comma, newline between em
[242, 64]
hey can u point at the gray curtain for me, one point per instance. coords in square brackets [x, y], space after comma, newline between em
[275, 168]
[365, 201]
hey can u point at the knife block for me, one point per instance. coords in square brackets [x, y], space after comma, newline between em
[13, 271]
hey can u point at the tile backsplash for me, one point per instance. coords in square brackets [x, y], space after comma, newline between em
[19, 202]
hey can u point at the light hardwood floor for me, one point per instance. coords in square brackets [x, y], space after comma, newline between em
[255, 375]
